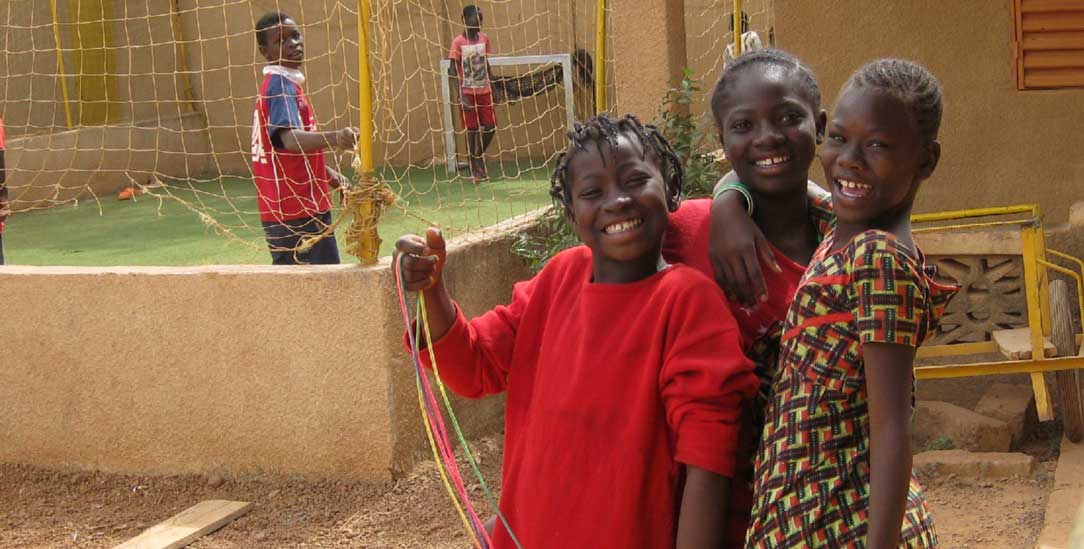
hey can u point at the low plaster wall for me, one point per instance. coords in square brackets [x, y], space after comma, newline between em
[48, 169]
[233, 370]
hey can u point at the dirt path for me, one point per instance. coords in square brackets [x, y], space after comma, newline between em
[47, 509]
[1001, 514]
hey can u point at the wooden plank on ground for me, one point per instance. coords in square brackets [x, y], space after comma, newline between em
[188, 525]
[1016, 344]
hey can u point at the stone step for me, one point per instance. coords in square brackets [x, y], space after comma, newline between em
[941, 426]
[1013, 404]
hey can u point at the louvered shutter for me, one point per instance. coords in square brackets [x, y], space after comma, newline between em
[1049, 43]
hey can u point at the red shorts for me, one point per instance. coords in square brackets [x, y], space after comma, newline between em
[482, 114]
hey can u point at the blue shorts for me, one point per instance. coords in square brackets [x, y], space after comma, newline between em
[284, 238]
[1, 248]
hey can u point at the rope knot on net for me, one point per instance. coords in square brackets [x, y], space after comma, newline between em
[365, 203]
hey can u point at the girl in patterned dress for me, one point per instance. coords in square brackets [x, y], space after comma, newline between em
[834, 466]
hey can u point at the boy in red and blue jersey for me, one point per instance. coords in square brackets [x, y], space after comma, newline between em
[292, 178]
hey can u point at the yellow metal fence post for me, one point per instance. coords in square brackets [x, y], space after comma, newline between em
[63, 73]
[1031, 238]
[600, 56]
[365, 140]
[737, 27]
[370, 197]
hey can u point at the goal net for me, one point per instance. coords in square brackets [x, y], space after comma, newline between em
[152, 101]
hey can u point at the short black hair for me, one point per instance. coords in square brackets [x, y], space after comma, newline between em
[267, 21]
[603, 128]
[909, 81]
[470, 10]
[761, 58]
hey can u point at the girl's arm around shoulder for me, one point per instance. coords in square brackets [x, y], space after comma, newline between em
[705, 378]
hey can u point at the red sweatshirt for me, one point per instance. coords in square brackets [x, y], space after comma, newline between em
[611, 387]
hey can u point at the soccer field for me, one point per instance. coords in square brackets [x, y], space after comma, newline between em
[154, 231]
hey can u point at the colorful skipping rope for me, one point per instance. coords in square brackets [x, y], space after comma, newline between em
[435, 429]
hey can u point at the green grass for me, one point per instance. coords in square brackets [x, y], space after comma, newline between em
[163, 231]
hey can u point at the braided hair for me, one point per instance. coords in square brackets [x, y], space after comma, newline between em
[911, 83]
[604, 129]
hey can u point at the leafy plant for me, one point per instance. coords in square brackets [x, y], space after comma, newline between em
[551, 235]
[940, 443]
[692, 137]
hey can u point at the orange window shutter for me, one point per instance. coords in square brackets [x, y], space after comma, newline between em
[1049, 43]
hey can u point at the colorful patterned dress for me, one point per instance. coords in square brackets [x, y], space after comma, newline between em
[813, 467]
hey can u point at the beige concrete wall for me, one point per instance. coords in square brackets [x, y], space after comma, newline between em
[142, 56]
[234, 370]
[1000, 145]
[55, 168]
[649, 53]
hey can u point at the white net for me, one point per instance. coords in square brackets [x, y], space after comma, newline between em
[709, 33]
[151, 101]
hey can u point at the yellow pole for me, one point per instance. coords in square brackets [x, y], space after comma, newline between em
[365, 104]
[600, 56]
[370, 197]
[737, 27]
[60, 65]
[1032, 209]
[1034, 285]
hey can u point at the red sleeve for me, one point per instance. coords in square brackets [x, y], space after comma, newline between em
[474, 357]
[1, 134]
[706, 379]
[489, 44]
[454, 53]
[688, 234]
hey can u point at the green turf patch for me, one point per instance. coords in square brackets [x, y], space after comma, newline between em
[162, 230]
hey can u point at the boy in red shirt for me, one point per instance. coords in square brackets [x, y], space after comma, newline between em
[624, 375]
[288, 166]
[470, 65]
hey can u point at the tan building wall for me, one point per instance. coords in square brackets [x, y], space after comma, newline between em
[1000, 145]
[237, 370]
[647, 58]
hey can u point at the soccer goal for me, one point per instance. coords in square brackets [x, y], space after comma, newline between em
[536, 79]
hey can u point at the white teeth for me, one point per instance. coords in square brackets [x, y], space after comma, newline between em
[852, 184]
[772, 161]
[622, 226]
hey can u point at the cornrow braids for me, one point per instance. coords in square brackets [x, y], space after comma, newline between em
[603, 128]
[267, 21]
[766, 56]
[909, 81]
